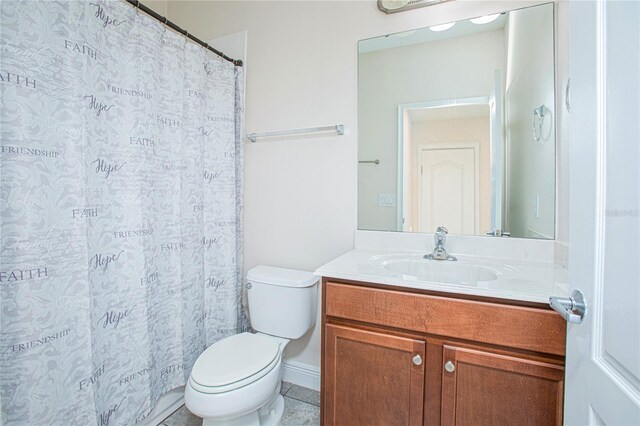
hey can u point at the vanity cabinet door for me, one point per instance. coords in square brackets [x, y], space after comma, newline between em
[483, 388]
[372, 378]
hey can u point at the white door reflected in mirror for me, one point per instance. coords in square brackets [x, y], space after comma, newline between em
[447, 183]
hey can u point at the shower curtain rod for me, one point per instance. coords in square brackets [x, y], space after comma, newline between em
[185, 33]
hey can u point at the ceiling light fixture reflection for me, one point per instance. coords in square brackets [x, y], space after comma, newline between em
[484, 19]
[442, 27]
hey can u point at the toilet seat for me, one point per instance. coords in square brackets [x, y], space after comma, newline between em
[234, 362]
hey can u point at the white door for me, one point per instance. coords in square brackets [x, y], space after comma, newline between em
[603, 353]
[448, 190]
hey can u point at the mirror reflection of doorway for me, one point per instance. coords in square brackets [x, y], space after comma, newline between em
[448, 188]
[447, 174]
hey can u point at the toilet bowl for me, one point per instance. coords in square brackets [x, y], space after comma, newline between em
[236, 377]
[236, 381]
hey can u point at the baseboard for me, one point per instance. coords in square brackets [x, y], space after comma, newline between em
[305, 375]
[167, 404]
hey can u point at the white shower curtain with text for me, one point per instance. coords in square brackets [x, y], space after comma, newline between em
[120, 214]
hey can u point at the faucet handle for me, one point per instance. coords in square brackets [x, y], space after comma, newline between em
[441, 229]
[440, 235]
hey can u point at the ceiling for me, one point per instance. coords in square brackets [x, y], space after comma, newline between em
[448, 113]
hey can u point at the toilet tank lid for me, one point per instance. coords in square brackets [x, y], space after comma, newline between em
[281, 276]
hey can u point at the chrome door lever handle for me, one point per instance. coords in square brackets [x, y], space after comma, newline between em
[573, 309]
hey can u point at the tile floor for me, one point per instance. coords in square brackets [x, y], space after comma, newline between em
[301, 407]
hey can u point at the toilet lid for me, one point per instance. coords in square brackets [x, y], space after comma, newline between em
[234, 358]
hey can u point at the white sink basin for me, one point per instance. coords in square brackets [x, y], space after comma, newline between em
[415, 267]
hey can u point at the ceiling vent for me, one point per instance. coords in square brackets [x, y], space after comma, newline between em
[393, 6]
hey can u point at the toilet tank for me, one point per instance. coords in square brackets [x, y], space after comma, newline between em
[282, 302]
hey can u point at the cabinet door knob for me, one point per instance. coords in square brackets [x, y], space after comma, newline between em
[417, 360]
[450, 367]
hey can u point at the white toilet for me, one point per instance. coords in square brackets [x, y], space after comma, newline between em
[236, 381]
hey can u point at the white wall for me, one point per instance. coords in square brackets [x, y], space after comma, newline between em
[453, 68]
[158, 6]
[300, 194]
[530, 84]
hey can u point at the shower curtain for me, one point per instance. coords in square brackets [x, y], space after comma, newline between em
[120, 215]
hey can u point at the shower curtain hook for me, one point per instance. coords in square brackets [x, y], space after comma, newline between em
[164, 27]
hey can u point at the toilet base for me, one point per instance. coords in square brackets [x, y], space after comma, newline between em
[272, 415]
[250, 419]
[268, 415]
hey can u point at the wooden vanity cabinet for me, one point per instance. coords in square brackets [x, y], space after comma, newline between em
[485, 388]
[374, 379]
[395, 357]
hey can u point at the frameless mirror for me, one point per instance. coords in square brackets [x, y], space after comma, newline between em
[457, 127]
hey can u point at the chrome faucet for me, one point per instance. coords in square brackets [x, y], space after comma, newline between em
[440, 252]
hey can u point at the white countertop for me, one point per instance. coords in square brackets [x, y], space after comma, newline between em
[519, 280]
